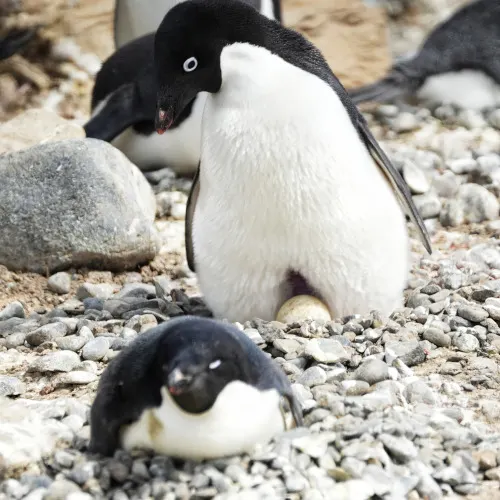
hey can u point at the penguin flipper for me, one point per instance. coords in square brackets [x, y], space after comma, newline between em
[190, 208]
[15, 40]
[397, 182]
[121, 110]
[382, 90]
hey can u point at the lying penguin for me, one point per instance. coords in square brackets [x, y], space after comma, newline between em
[124, 96]
[293, 194]
[191, 388]
[458, 63]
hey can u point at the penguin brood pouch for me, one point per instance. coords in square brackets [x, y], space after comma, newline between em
[191, 388]
[457, 64]
[124, 95]
[291, 181]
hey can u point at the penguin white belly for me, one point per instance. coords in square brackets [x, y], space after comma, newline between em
[177, 148]
[241, 417]
[286, 184]
[468, 89]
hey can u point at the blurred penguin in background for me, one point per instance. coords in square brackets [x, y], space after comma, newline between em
[457, 64]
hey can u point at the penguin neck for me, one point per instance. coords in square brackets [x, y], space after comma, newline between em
[249, 74]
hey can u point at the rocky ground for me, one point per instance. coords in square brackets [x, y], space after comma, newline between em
[398, 407]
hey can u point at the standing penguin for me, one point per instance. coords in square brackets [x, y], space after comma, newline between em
[293, 193]
[124, 96]
[191, 388]
[458, 63]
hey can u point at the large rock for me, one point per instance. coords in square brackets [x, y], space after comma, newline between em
[36, 126]
[74, 203]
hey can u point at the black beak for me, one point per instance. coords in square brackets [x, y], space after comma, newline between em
[178, 382]
[164, 119]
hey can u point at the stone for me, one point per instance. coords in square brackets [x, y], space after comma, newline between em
[475, 314]
[59, 361]
[428, 205]
[101, 291]
[326, 351]
[12, 310]
[51, 331]
[437, 337]
[493, 474]
[11, 386]
[491, 409]
[71, 343]
[465, 342]
[487, 459]
[312, 376]
[400, 448]
[372, 371]
[61, 489]
[59, 283]
[27, 435]
[286, 345]
[95, 349]
[87, 206]
[415, 178]
[411, 352]
[36, 126]
[77, 377]
[473, 203]
[419, 392]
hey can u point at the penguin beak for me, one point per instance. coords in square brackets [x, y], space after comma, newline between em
[164, 119]
[178, 382]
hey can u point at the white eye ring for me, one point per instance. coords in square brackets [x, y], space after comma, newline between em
[190, 64]
[214, 364]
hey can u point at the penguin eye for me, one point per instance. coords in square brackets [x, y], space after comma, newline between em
[215, 364]
[190, 64]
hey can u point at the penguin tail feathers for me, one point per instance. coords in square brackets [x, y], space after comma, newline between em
[383, 90]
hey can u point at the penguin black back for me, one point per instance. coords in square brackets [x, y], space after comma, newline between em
[209, 353]
[469, 39]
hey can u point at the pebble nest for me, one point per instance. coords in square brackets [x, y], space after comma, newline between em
[398, 407]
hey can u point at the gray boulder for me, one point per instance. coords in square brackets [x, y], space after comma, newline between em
[74, 203]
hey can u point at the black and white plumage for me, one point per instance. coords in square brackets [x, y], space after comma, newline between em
[192, 388]
[457, 64]
[124, 96]
[293, 194]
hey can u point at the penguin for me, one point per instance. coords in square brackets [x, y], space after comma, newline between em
[191, 388]
[457, 64]
[293, 195]
[124, 96]
[15, 40]
[132, 19]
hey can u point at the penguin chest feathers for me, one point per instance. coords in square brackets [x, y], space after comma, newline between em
[241, 417]
[278, 145]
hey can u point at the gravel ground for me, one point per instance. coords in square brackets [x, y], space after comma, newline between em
[399, 407]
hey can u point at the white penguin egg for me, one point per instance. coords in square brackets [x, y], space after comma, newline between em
[303, 307]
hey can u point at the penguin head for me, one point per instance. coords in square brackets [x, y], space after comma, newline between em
[188, 45]
[200, 366]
